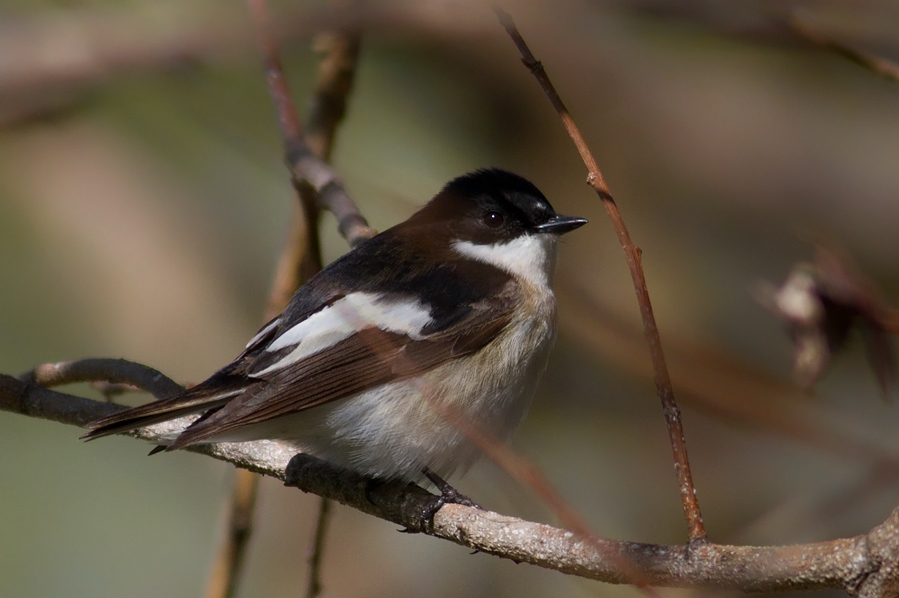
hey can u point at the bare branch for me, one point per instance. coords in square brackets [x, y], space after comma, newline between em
[333, 85]
[226, 571]
[47, 63]
[633, 255]
[301, 257]
[877, 65]
[723, 386]
[305, 166]
[332, 195]
[865, 565]
[314, 586]
[109, 370]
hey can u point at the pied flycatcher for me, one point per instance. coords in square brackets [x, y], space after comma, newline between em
[450, 311]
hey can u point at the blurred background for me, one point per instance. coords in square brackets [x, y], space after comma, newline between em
[144, 202]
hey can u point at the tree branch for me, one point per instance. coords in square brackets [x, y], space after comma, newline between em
[633, 254]
[228, 565]
[317, 550]
[301, 257]
[866, 565]
[109, 370]
[877, 65]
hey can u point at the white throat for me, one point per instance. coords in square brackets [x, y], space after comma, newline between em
[530, 257]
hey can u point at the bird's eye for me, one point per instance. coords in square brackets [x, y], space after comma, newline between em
[493, 219]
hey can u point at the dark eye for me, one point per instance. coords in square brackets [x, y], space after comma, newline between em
[493, 219]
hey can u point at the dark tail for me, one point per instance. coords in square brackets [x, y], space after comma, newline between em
[195, 400]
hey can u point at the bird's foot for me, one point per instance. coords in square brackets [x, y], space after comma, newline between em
[448, 495]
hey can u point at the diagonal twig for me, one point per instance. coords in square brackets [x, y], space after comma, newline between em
[301, 257]
[304, 164]
[633, 255]
[877, 65]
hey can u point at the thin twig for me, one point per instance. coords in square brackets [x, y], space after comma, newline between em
[634, 262]
[314, 587]
[301, 257]
[529, 475]
[228, 565]
[304, 164]
[866, 565]
[877, 65]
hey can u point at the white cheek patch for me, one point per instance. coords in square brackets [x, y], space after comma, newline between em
[344, 318]
[531, 257]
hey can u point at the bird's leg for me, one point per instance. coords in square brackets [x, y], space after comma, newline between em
[448, 495]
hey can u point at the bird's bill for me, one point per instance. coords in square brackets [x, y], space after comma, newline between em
[559, 225]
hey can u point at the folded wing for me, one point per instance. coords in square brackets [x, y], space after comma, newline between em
[330, 354]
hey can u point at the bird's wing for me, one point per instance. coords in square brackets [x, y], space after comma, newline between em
[331, 353]
[289, 379]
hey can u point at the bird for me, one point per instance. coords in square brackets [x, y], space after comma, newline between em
[446, 317]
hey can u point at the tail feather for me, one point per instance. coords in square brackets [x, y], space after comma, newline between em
[194, 400]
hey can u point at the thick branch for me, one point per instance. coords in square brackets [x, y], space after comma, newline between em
[109, 370]
[865, 565]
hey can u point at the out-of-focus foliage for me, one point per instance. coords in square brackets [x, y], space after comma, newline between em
[142, 211]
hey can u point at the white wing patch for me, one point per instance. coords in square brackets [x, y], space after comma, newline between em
[263, 332]
[344, 318]
[531, 257]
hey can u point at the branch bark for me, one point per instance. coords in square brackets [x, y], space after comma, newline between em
[867, 565]
[109, 370]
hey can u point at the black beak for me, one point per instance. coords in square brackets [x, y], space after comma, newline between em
[559, 225]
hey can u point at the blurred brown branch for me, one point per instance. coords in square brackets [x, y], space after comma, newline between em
[47, 63]
[316, 552]
[228, 565]
[633, 255]
[877, 65]
[714, 382]
[301, 257]
[866, 565]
